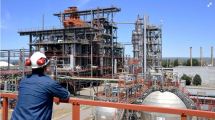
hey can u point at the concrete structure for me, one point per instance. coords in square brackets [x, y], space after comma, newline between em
[201, 91]
[206, 73]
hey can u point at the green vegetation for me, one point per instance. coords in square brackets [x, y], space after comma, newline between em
[187, 78]
[173, 62]
[176, 63]
[164, 63]
[195, 62]
[197, 80]
[170, 63]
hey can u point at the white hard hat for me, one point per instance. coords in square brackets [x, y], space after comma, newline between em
[38, 60]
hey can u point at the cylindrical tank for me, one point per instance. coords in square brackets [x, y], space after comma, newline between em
[162, 99]
[106, 113]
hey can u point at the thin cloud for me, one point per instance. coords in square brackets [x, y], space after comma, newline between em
[209, 4]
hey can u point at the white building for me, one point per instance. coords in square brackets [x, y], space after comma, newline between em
[206, 73]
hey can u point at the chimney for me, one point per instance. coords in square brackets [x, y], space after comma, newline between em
[191, 61]
[201, 61]
[212, 58]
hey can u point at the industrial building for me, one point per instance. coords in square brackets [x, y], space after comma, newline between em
[87, 38]
[85, 49]
[147, 45]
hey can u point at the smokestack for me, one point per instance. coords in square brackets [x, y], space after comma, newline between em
[201, 56]
[191, 61]
[212, 58]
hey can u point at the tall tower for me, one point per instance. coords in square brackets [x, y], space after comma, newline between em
[137, 39]
[212, 58]
[147, 45]
[191, 58]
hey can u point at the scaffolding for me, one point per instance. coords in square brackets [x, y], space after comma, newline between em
[12, 69]
[147, 45]
[87, 38]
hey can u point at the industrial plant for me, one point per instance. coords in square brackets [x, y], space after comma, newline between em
[85, 53]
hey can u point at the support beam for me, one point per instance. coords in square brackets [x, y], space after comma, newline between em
[30, 43]
[8, 60]
[75, 110]
[144, 45]
[5, 109]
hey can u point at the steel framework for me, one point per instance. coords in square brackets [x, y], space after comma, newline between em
[87, 39]
[147, 45]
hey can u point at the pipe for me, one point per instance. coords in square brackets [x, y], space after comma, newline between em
[8, 60]
[144, 46]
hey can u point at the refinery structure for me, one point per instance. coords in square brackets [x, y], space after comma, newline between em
[86, 53]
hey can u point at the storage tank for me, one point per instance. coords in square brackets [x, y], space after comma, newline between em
[162, 99]
[106, 113]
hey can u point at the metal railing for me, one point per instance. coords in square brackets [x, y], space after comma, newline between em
[77, 102]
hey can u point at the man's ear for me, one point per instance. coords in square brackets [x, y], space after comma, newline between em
[47, 70]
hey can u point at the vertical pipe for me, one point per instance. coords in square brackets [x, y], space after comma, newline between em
[43, 19]
[112, 42]
[144, 46]
[23, 62]
[61, 19]
[30, 44]
[91, 23]
[201, 56]
[91, 48]
[212, 59]
[8, 60]
[5, 109]
[191, 61]
[115, 66]
[6, 85]
[91, 57]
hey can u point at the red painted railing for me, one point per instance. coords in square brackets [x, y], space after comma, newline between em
[77, 102]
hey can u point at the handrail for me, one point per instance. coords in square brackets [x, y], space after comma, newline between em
[77, 102]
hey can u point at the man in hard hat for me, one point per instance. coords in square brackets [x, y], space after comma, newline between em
[36, 92]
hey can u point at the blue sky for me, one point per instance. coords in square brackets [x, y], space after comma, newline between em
[185, 22]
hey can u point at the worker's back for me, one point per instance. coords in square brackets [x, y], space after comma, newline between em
[35, 99]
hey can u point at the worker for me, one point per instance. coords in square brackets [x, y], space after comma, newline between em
[36, 91]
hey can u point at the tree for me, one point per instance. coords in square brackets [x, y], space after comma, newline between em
[175, 62]
[187, 78]
[197, 80]
[195, 62]
[164, 63]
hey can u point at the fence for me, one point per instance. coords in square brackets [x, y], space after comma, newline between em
[77, 102]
